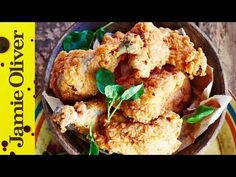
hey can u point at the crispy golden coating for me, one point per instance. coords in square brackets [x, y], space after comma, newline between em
[159, 90]
[160, 58]
[73, 73]
[79, 115]
[146, 48]
[117, 37]
[66, 116]
[69, 78]
[123, 136]
[183, 55]
[181, 97]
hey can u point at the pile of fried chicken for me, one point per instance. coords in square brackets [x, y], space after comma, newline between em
[162, 59]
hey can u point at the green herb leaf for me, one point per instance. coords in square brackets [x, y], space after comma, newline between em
[117, 107]
[105, 81]
[114, 91]
[83, 39]
[108, 100]
[130, 93]
[78, 40]
[104, 77]
[100, 34]
[138, 94]
[93, 149]
[200, 113]
[117, 93]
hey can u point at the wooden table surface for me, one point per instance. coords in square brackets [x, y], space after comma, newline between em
[222, 35]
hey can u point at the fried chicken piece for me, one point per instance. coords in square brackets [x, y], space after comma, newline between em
[117, 37]
[69, 76]
[181, 97]
[149, 47]
[183, 55]
[124, 136]
[162, 90]
[79, 115]
[146, 48]
[73, 73]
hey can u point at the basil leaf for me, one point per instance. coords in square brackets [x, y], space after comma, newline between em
[114, 91]
[200, 113]
[129, 93]
[104, 77]
[78, 40]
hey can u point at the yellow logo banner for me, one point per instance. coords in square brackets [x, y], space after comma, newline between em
[17, 74]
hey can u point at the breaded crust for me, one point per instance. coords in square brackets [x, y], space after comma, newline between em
[159, 89]
[73, 73]
[80, 115]
[146, 49]
[124, 136]
[183, 55]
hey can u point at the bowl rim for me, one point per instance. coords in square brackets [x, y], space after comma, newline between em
[46, 77]
[222, 116]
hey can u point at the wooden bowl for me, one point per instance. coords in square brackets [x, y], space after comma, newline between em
[74, 145]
